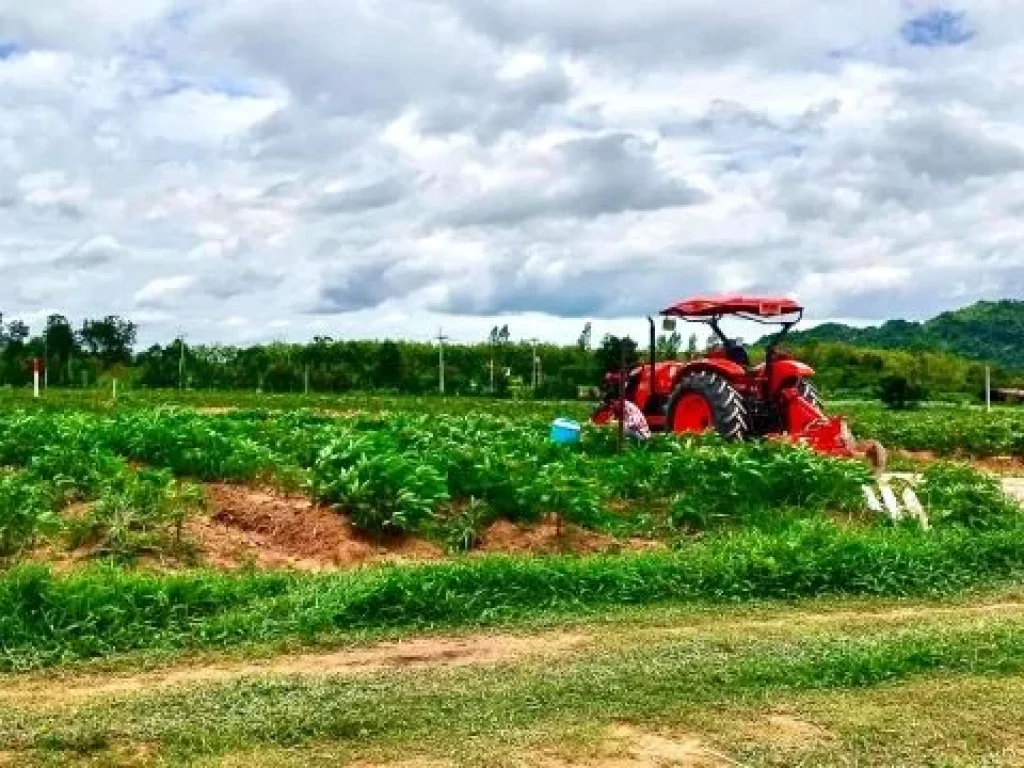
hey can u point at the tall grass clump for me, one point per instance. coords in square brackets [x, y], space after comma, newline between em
[46, 618]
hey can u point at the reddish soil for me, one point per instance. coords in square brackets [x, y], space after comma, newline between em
[271, 530]
[268, 529]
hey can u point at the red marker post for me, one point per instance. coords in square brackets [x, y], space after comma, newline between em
[35, 377]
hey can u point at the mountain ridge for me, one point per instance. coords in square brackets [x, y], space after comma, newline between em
[989, 331]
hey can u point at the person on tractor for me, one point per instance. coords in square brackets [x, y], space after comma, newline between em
[735, 351]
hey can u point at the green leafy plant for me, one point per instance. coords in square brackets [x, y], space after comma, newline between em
[137, 513]
[386, 493]
[462, 528]
[26, 512]
[957, 494]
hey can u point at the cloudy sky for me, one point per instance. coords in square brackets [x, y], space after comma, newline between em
[242, 170]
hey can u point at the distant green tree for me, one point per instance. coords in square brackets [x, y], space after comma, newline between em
[110, 340]
[586, 337]
[388, 373]
[669, 345]
[899, 393]
[612, 351]
[59, 346]
[691, 346]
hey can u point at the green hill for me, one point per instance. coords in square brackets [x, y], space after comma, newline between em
[989, 330]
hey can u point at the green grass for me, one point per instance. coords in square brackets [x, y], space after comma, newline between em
[47, 619]
[101, 400]
[485, 710]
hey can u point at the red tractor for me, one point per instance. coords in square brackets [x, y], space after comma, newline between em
[724, 392]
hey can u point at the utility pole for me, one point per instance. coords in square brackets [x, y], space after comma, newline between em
[534, 362]
[46, 361]
[492, 362]
[988, 389]
[441, 339]
[622, 397]
[181, 364]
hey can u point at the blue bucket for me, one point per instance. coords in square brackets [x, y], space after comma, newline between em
[565, 431]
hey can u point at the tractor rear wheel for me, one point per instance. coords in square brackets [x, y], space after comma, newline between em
[810, 393]
[703, 401]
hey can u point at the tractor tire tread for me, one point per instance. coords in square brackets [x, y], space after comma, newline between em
[730, 412]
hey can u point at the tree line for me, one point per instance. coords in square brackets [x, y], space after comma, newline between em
[99, 349]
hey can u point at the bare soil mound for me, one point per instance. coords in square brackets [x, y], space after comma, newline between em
[271, 530]
[267, 529]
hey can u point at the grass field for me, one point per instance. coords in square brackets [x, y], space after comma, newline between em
[224, 579]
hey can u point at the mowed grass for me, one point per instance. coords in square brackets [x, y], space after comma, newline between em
[865, 685]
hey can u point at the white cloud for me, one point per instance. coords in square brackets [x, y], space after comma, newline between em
[247, 169]
[159, 291]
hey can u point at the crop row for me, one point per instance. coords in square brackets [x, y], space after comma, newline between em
[945, 429]
[392, 473]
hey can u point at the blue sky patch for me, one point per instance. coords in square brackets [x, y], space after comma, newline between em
[233, 87]
[937, 28]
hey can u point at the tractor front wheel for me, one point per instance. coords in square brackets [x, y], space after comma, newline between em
[704, 401]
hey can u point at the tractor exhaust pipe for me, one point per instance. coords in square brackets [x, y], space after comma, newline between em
[653, 351]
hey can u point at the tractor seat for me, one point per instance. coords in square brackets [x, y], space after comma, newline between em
[738, 354]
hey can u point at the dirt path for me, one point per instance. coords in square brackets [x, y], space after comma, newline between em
[55, 690]
[1014, 486]
[414, 653]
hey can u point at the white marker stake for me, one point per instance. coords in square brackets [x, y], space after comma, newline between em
[114, 385]
[35, 377]
[913, 505]
[872, 500]
[891, 505]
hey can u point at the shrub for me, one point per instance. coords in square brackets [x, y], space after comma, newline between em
[138, 512]
[26, 512]
[899, 393]
[958, 494]
[386, 493]
[461, 530]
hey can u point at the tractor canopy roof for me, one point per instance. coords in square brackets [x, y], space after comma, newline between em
[751, 306]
